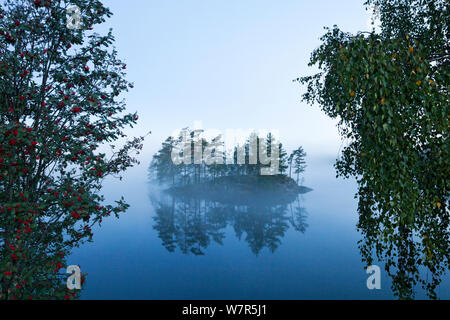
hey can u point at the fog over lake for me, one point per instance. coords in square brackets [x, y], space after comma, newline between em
[218, 251]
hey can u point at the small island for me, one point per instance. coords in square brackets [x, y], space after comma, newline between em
[225, 183]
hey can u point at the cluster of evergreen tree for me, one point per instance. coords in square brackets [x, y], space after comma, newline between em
[165, 171]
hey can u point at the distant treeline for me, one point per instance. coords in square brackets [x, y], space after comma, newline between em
[247, 160]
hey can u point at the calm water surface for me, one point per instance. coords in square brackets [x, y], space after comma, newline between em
[166, 248]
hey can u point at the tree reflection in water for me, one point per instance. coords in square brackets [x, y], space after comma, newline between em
[191, 224]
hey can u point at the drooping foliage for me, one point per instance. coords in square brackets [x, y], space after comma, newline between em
[389, 91]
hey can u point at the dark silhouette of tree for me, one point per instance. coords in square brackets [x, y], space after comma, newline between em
[186, 223]
[298, 216]
[164, 171]
[191, 224]
[264, 226]
[165, 224]
[297, 162]
[162, 164]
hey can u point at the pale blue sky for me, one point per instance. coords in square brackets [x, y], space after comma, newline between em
[229, 64]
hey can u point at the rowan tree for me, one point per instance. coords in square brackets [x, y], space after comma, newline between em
[60, 103]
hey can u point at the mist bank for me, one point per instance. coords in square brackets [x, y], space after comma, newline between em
[243, 189]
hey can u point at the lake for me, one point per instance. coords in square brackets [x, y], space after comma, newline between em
[173, 248]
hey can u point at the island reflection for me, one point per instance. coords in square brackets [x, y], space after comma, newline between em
[257, 194]
[191, 224]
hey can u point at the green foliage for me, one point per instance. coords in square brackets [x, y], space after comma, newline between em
[59, 102]
[164, 171]
[282, 154]
[283, 165]
[297, 162]
[162, 164]
[389, 92]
